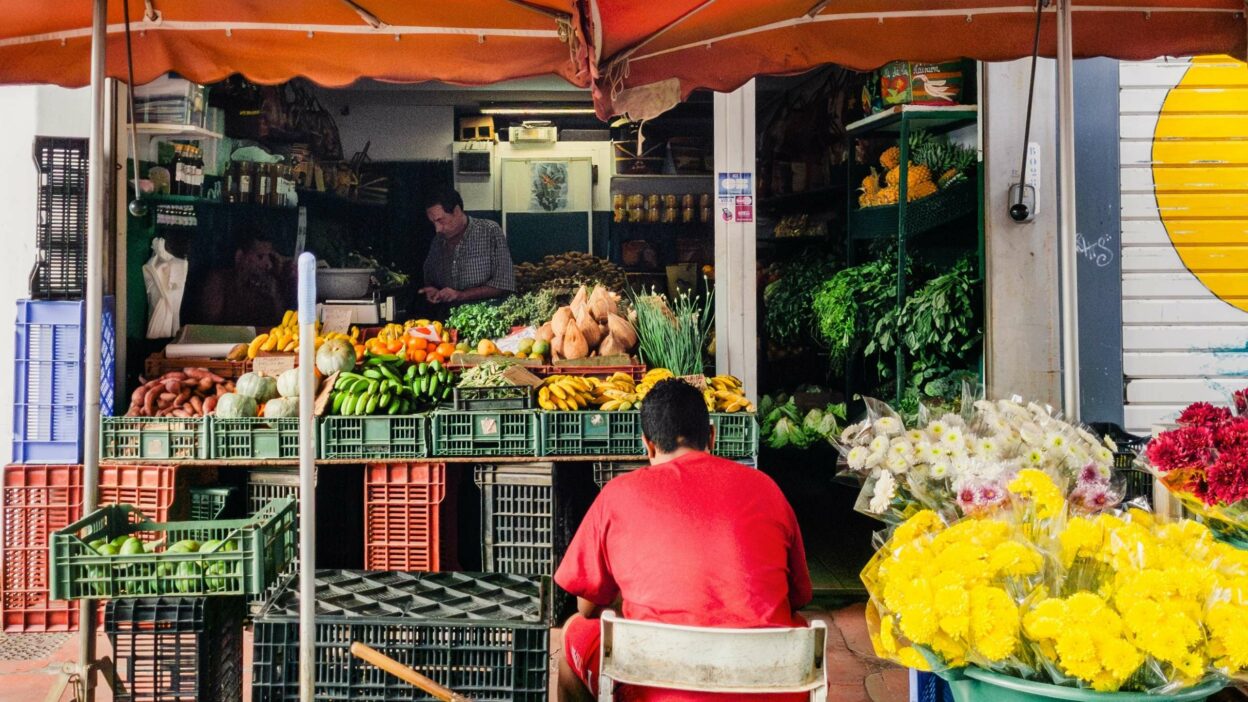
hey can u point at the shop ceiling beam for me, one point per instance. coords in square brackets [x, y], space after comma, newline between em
[1066, 216]
[97, 204]
[736, 281]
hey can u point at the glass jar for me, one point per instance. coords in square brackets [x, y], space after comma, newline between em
[246, 180]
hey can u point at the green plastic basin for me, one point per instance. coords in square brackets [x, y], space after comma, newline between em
[979, 685]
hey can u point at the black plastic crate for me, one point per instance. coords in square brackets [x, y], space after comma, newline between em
[176, 649]
[216, 502]
[60, 271]
[1138, 483]
[483, 635]
[506, 397]
[604, 472]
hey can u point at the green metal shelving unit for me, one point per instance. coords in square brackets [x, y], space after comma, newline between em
[908, 220]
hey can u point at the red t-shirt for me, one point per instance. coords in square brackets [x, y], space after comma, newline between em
[699, 541]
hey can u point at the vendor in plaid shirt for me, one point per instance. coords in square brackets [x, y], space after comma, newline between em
[469, 259]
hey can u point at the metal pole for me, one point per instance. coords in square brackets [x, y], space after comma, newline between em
[1066, 215]
[97, 205]
[307, 474]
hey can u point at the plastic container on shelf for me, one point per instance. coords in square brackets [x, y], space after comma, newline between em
[493, 433]
[402, 525]
[605, 472]
[216, 502]
[183, 649]
[506, 397]
[591, 433]
[483, 635]
[375, 438]
[521, 528]
[48, 378]
[265, 545]
[736, 435]
[154, 438]
[248, 438]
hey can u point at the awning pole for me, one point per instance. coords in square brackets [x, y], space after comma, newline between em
[97, 194]
[307, 475]
[1066, 215]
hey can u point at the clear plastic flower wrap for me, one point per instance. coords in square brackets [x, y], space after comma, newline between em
[1038, 590]
[958, 464]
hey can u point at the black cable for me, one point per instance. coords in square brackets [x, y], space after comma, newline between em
[1031, 96]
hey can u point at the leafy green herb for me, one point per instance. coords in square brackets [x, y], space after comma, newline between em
[939, 326]
[530, 309]
[789, 316]
[783, 425]
[477, 321]
[673, 337]
[850, 304]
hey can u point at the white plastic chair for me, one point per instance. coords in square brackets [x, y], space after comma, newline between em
[706, 659]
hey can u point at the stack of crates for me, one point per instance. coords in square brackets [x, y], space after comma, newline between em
[176, 649]
[402, 520]
[483, 635]
[38, 500]
[264, 486]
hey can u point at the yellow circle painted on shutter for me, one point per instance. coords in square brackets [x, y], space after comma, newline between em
[1200, 172]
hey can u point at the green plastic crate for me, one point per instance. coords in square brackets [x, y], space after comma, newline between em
[490, 434]
[266, 543]
[592, 433]
[736, 435]
[153, 438]
[254, 438]
[506, 397]
[382, 437]
[221, 502]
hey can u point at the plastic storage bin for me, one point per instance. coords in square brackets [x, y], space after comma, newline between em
[592, 433]
[265, 545]
[154, 438]
[223, 502]
[48, 393]
[253, 438]
[61, 232]
[402, 525]
[176, 649]
[376, 438]
[483, 635]
[736, 435]
[498, 433]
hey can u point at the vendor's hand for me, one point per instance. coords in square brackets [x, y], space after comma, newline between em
[430, 293]
[447, 295]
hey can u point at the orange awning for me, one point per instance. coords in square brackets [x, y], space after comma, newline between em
[332, 42]
[723, 43]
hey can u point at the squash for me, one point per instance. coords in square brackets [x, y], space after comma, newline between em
[282, 407]
[288, 383]
[233, 405]
[334, 356]
[260, 387]
[622, 331]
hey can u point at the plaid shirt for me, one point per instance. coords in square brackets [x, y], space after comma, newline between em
[480, 258]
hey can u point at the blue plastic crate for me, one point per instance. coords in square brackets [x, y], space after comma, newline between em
[48, 378]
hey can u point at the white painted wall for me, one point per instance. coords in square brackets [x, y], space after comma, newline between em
[1182, 343]
[27, 111]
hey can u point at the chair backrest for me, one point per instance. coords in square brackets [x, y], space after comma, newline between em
[709, 659]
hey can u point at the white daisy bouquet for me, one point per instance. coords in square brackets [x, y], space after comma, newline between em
[960, 464]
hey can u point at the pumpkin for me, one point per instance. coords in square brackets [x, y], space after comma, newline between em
[334, 356]
[288, 383]
[254, 385]
[282, 407]
[233, 405]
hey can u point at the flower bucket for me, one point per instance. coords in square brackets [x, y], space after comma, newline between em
[978, 685]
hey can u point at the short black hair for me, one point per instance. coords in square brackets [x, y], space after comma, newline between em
[447, 198]
[674, 415]
[248, 237]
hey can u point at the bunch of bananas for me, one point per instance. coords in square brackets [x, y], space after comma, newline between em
[391, 332]
[566, 392]
[284, 338]
[617, 393]
[650, 379]
[724, 393]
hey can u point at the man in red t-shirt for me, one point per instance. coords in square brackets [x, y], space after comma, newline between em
[690, 539]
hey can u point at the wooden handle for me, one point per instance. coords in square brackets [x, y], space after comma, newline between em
[404, 673]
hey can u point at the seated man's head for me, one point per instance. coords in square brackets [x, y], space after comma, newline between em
[445, 209]
[255, 256]
[674, 418]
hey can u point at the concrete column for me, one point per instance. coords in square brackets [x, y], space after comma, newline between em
[1022, 345]
[736, 301]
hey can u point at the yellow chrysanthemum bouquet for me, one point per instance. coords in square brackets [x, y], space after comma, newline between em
[1114, 602]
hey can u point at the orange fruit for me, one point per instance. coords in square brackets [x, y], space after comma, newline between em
[446, 349]
[417, 356]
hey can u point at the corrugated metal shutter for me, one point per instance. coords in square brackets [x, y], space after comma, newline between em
[1184, 132]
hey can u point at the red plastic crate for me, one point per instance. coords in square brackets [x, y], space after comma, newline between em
[637, 371]
[38, 500]
[401, 519]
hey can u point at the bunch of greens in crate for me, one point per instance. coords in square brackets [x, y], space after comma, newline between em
[673, 335]
[940, 326]
[789, 316]
[532, 309]
[479, 320]
[849, 306]
[784, 425]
